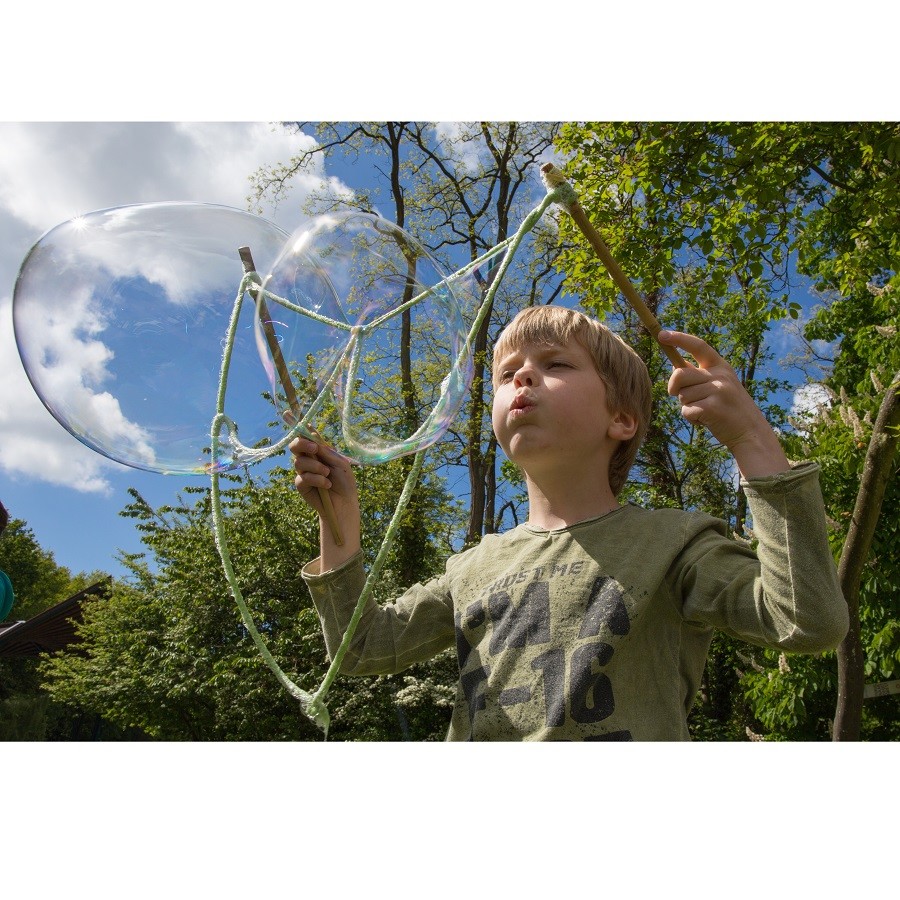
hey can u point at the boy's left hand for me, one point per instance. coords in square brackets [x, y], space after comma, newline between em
[711, 394]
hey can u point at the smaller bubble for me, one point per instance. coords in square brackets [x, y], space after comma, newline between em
[370, 334]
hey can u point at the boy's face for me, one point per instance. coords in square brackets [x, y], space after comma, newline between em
[550, 407]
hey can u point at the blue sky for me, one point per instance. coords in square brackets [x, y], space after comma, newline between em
[70, 495]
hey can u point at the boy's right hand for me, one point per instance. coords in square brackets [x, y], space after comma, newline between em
[320, 467]
[712, 395]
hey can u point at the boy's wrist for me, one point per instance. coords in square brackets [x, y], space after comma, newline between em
[333, 555]
[318, 568]
[759, 453]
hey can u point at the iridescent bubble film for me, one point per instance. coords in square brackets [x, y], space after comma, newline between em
[120, 317]
[372, 336]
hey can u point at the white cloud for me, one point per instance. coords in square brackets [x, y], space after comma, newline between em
[810, 399]
[809, 402]
[469, 153]
[52, 172]
[32, 443]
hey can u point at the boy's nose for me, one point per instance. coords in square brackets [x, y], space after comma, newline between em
[524, 377]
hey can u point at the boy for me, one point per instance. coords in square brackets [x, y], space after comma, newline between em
[592, 620]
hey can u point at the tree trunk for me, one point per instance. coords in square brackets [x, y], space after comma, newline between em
[474, 452]
[740, 512]
[479, 460]
[490, 502]
[877, 471]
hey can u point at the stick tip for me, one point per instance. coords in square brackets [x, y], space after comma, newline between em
[246, 258]
[556, 185]
[551, 176]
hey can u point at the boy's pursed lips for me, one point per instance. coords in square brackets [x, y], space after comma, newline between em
[522, 401]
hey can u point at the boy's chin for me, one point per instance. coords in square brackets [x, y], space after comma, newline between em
[525, 454]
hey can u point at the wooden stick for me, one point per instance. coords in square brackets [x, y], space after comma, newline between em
[290, 394]
[552, 178]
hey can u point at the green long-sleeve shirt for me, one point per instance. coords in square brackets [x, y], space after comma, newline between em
[600, 631]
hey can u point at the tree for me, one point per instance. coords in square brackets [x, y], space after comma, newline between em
[38, 581]
[26, 711]
[169, 654]
[852, 247]
[856, 457]
[876, 473]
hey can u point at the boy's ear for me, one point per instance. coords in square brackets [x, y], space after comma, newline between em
[622, 426]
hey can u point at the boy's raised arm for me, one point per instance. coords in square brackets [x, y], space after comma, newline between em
[711, 394]
[318, 466]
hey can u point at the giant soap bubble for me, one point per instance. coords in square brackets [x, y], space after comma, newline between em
[120, 316]
[359, 324]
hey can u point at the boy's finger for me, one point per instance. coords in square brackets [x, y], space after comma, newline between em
[310, 481]
[705, 355]
[303, 464]
[687, 376]
[303, 447]
[690, 394]
[325, 451]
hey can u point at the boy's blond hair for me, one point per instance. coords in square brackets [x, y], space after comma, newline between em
[623, 372]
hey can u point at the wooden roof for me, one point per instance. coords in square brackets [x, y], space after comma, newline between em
[52, 629]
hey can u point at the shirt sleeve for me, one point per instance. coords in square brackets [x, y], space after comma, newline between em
[389, 638]
[785, 595]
